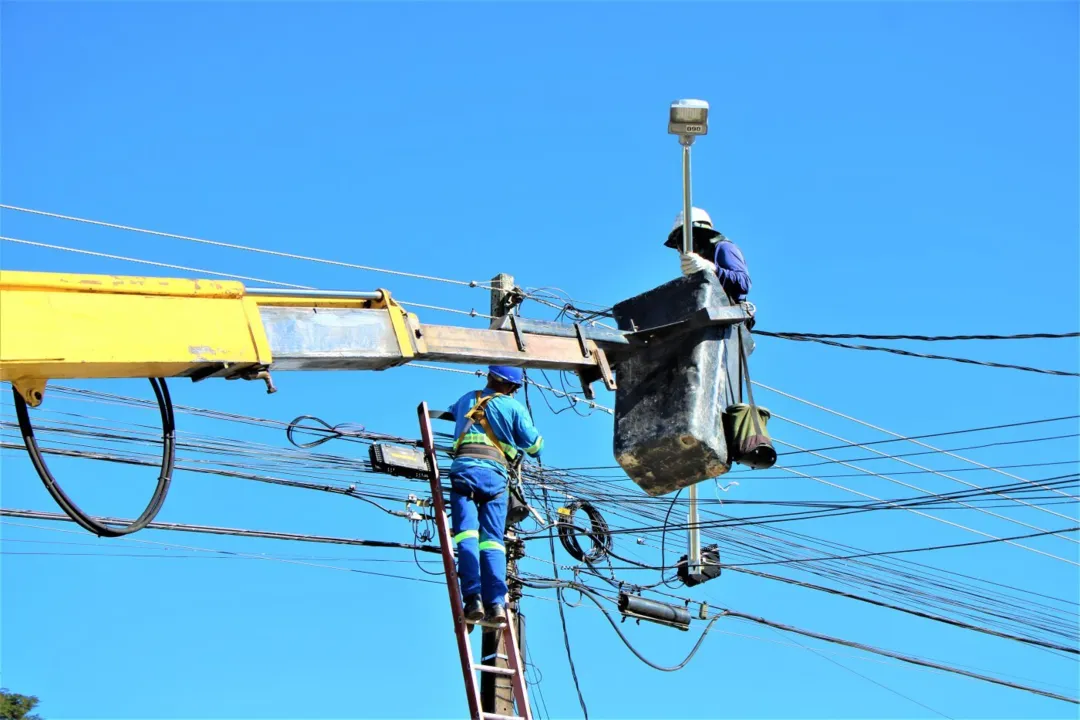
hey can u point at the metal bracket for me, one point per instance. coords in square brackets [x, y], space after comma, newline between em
[399, 320]
[31, 389]
[582, 340]
[602, 371]
[518, 337]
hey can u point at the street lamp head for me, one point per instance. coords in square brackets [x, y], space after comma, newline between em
[688, 118]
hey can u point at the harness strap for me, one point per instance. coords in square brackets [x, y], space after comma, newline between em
[477, 416]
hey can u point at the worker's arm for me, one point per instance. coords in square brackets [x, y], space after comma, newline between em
[732, 271]
[526, 436]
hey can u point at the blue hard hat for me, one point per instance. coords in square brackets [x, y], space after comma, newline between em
[514, 375]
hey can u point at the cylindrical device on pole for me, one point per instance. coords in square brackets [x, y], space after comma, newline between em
[659, 612]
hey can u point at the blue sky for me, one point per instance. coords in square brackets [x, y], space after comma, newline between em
[885, 167]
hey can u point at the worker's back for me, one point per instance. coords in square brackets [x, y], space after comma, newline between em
[509, 422]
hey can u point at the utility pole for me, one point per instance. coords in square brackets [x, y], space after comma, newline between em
[496, 691]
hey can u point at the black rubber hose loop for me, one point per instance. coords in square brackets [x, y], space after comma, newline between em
[73, 511]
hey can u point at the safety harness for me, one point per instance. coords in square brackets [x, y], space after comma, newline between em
[470, 444]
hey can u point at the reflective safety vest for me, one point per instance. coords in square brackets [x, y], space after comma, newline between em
[482, 445]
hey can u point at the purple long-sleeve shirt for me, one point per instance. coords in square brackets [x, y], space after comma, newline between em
[732, 271]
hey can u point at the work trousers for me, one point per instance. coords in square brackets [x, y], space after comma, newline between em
[478, 515]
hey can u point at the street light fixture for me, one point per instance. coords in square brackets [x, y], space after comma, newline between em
[688, 119]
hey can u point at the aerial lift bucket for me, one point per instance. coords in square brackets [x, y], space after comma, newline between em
[675, 385]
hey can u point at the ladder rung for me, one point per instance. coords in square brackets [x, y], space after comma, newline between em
[493, 670]
[494, 716]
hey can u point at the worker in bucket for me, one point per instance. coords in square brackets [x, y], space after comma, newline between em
[492, 428]
[727, 260]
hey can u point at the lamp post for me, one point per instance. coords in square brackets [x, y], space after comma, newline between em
[688, 119]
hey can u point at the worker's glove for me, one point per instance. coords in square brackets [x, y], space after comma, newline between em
[692, 263]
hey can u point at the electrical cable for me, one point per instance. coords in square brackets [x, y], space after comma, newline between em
[907, 353]
[588, 592]
[598, 533]
[923, 338]
[73, 511]
[918, 613]
[235, 246]
[903, 438]
[922, 468]
[236, 532]
[562, 615]
[897, 656]
[929, 548]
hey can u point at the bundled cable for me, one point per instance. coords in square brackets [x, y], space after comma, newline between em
[168, 458]
[598, 532]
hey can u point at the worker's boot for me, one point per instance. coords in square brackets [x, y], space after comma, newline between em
[474, 609]
[496, 614]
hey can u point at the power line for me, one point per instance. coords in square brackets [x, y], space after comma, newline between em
[898, 656]
[934, 452]
[248, 248]
[237, 532]
[913, 440]
[253, 556]
[923, 338]
[908, 611]
[932, 517]
[929, 548]
[869, 679]
[234, 276]
[907, 353]
[922, 468]
[905, 438]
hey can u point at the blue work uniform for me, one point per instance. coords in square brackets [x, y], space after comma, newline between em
[732, 271]
[477, 491]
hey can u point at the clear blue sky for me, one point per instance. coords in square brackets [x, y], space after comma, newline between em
[886, 167]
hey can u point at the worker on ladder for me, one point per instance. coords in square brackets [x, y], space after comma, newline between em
[492, 428]
[727, 262]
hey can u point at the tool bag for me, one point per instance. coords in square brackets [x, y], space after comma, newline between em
[746, 425]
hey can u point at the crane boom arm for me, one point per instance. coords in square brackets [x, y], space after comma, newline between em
[66, 326]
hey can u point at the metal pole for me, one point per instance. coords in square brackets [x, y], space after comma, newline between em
[687, 238]
[694, 536]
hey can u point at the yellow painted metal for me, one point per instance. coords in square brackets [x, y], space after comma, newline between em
[399, 320]
[317, 302]
[119, 284]
[60, 326]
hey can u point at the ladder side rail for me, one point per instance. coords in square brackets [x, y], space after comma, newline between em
[472, 689]
[513, 659]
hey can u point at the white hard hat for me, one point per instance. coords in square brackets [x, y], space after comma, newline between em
[698, 218]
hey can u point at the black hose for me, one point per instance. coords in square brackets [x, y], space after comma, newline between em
[598, 533]
[168, 458]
